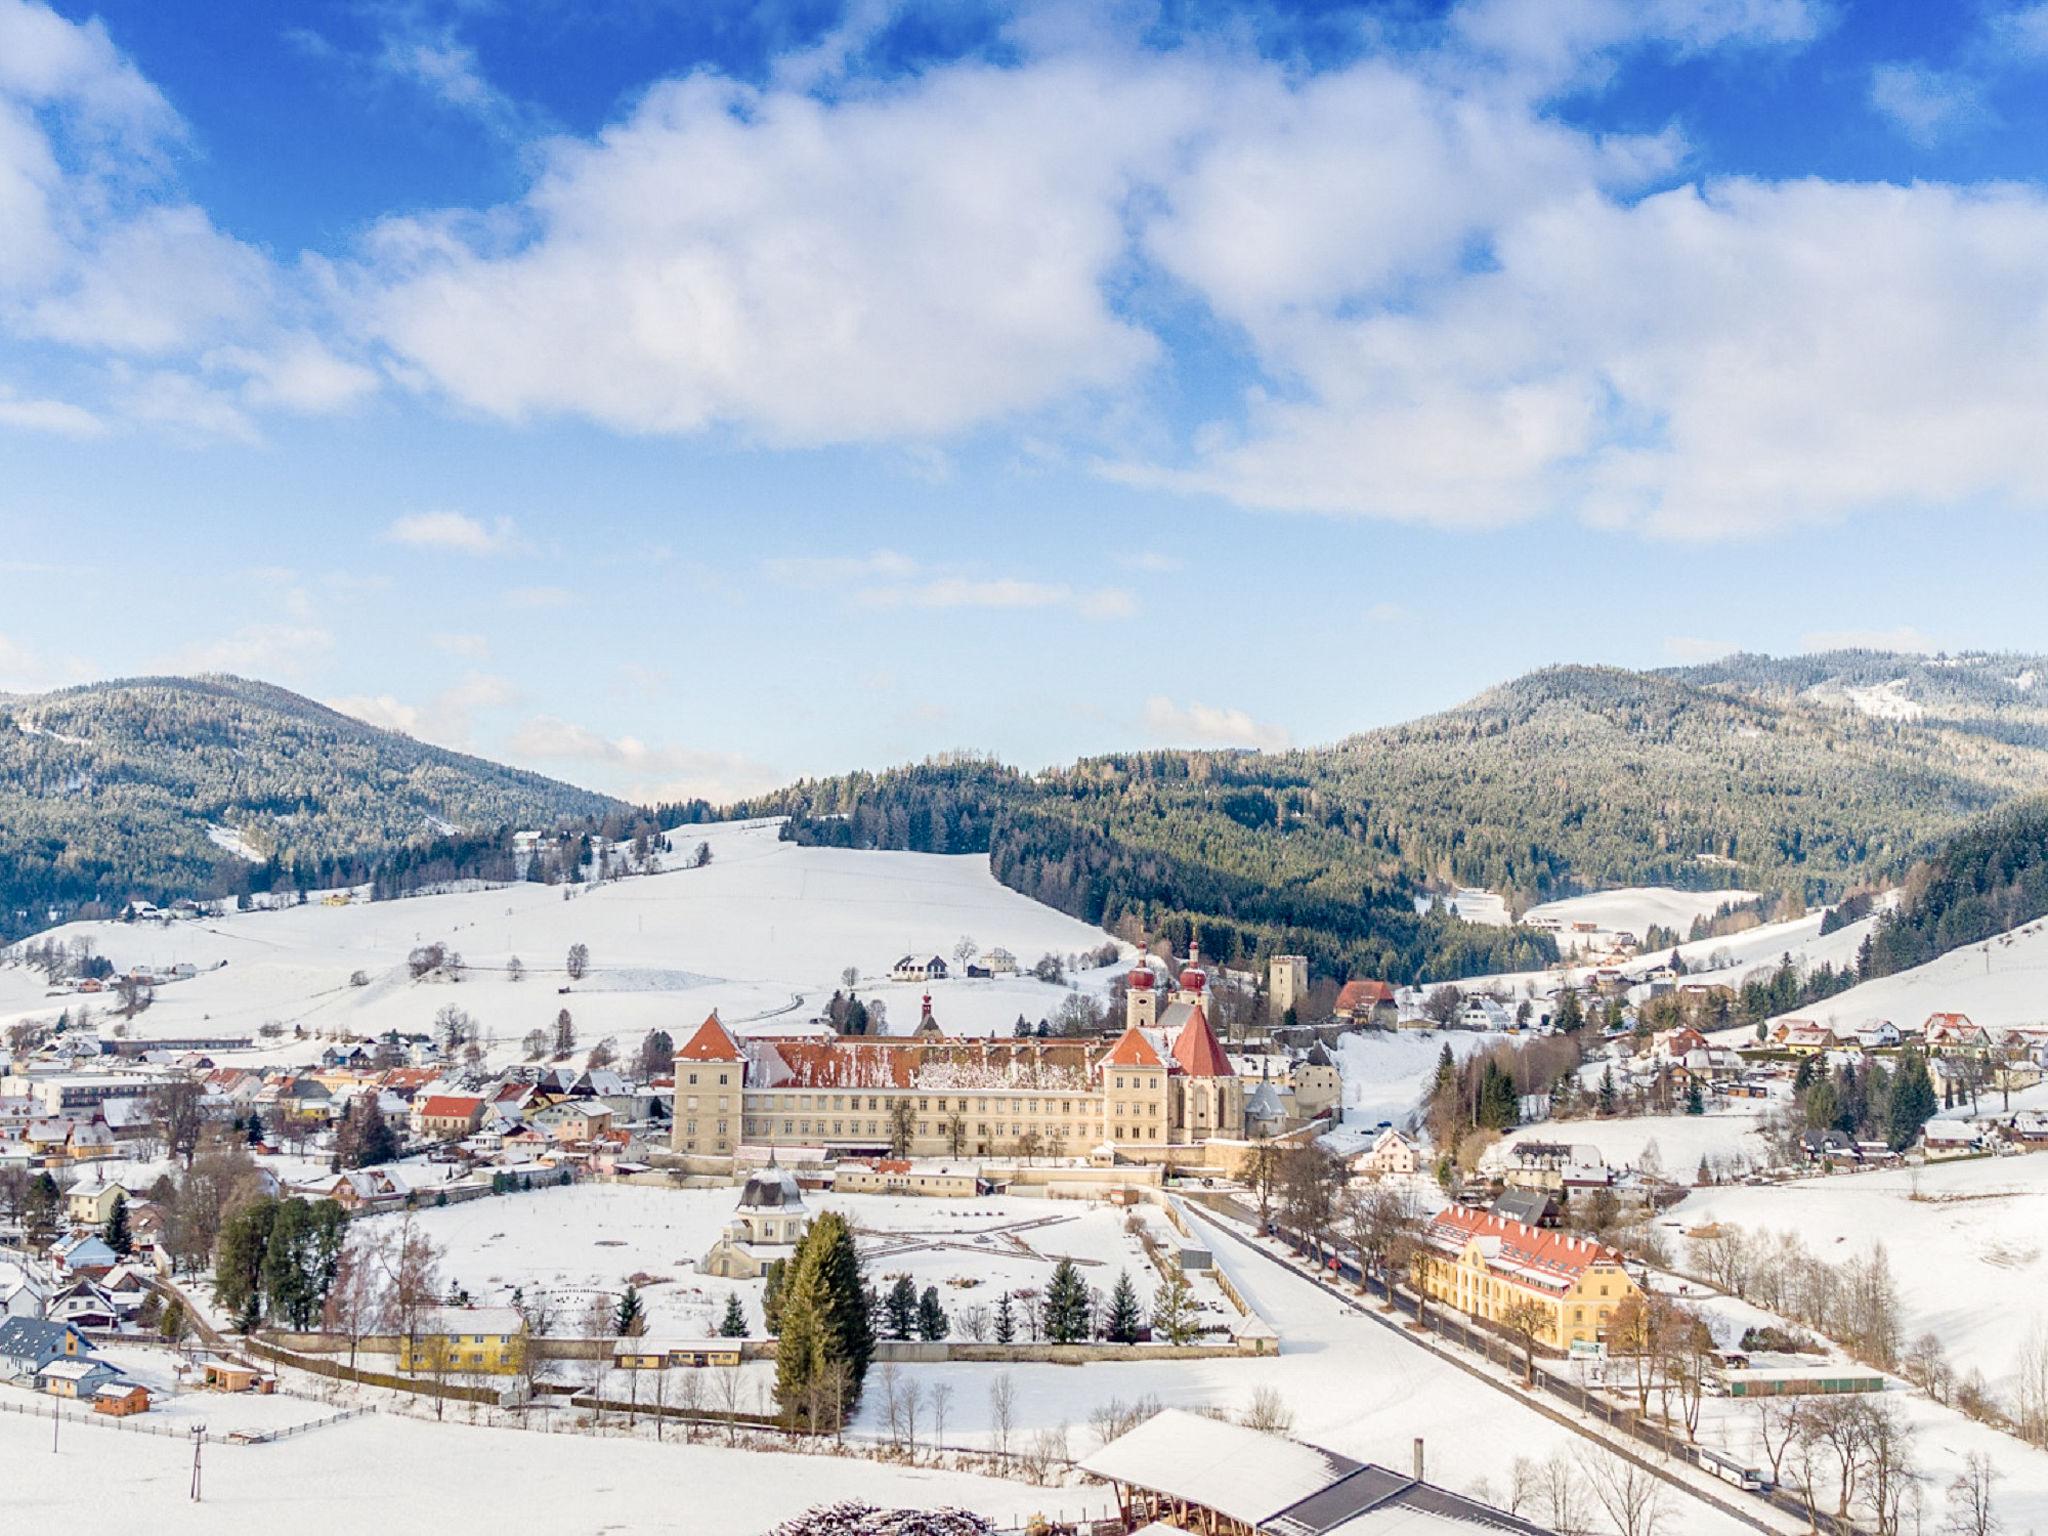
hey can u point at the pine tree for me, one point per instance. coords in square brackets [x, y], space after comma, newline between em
[900, 1307]
[39, 1211]
[630, 1320]
[1173, 1309]
[824, 1320]
[1570, 1015]
[1446, 1070]
[773, 1279]
[1066, 1305]
[1607, 1096]
[1125, 1319]
[932, 1322]
[734, 1323]
[1006, 1320]
[117, 1235]
[1912, 1103]
[1695, 1103]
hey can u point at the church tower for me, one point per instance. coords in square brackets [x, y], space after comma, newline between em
[1141, 997]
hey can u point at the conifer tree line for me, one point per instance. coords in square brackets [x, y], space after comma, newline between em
[1567, 780]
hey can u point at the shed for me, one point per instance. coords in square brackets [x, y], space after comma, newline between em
[120, 1399]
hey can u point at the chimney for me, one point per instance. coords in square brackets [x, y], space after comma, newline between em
[1418, 1458]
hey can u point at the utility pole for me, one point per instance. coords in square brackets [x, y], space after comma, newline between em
[198, 1440]
[56, 1423]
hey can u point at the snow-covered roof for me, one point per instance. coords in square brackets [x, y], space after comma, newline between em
[1235, 1471]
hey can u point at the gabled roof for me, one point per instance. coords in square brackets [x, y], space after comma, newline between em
[1363, 994]
[1198, 1051]
[450, 1106]
[1235, 1471]
[711, 1042]
[1132, 1050]
[1536, 1250]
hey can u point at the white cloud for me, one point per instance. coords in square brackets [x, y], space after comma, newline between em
[2021, 32]
[1205, 725]
[539, 599]
[1002, 592]
[54, 416]
[820, 572]
[178, 400]
[1702, 362]
[637, 769]
[255, 650]
[1904, 637]
[1560, 38]
[447, 719]
[1927, 105]
[899, 262]
[1692, 650]
[455, 531]
[28, 669]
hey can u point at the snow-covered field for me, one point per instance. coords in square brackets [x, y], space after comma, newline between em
[578, 1242]
[1386, 1073]
[1966, 1242]
[1680, 1141]
[762, 934]
[2002, 981]
[1632, 909]
[403, 1475]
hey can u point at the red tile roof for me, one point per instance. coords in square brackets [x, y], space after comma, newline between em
[1539, 1248]
[710, 1043]
[1363, 994]
[1198, 1051]
[450, 1106]
[1132, 1050]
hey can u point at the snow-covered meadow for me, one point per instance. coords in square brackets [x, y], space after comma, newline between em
[587, 1241]
[762, 933]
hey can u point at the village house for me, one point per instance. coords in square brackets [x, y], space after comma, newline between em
[910, 968]
[27, 1344]
[489, 1341]
[1951, 1033]
[1366, 1002]
[90, 1202]
[446, 1116]
[1487, 1264]
[1391, 1155]
[1803, 1037]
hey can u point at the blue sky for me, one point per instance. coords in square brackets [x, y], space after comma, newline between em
[681, 398]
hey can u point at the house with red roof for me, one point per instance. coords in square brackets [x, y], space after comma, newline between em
[1493, 1267]
[447, 1116]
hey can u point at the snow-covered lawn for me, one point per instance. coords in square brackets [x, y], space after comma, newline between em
[399, 1475]
[591, 1239]
[1966, 1242]
[1680, 1141]
[1998, 983]
[762, 934]
[1386, 1073]
[1633, 909]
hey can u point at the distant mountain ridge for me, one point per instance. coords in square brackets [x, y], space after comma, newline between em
[1747, 773]
[147, 786]
[1803, 775]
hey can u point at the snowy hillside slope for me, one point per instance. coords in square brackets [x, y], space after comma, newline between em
[1635, 908]
[2002, 981]
[1968, 1244]
[761, 933]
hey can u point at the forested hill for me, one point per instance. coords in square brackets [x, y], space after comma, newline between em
[1769, 775]
[1989, 878]
[132, 788]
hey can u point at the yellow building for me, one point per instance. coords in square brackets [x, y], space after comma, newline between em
[1485, 1265]
[465, 1341]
